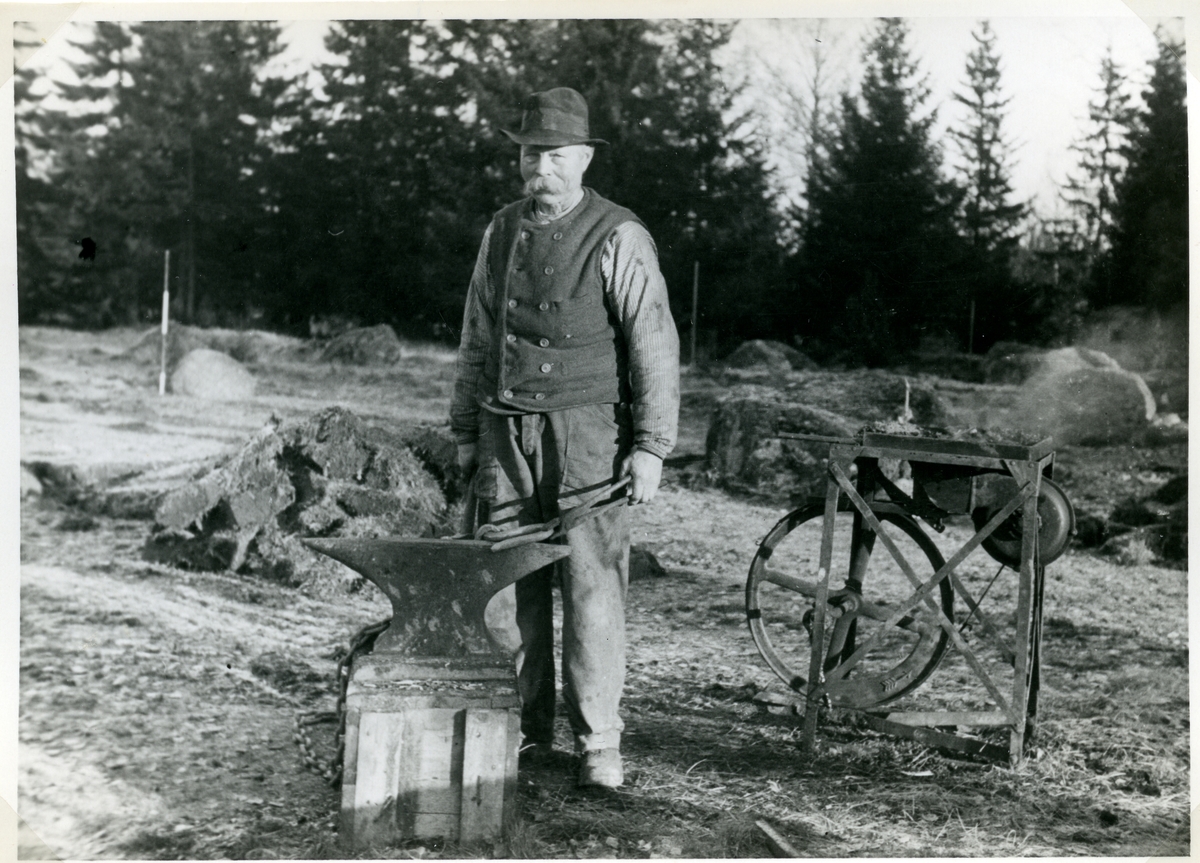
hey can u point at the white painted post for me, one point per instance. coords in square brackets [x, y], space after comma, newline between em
[162, 373]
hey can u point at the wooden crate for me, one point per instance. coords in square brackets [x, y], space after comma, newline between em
[431, 750]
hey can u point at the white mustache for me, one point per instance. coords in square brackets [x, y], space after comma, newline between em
[543, 184]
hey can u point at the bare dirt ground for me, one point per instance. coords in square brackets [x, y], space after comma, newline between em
[157, 705]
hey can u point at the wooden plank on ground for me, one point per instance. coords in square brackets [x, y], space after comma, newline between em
[970, 718]
[780, 847]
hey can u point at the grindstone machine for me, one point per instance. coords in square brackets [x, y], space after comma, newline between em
[854, 606]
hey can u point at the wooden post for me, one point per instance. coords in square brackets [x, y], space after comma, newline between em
[971, 328]
[814, 691]
[695, 304]
[162, 371]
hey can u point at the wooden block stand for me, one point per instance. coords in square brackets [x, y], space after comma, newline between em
[431, 749]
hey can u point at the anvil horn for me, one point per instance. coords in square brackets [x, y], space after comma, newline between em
[439, 588]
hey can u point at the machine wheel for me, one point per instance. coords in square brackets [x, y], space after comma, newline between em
[1056, 518]
[781, 593]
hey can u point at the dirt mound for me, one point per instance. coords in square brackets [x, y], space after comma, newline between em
[327, 475]
[871, 395]
[245, 346]
[956, 366]
[1149, 529]
[365, 346]
[775, 356]
[745, 452]
[209, 374]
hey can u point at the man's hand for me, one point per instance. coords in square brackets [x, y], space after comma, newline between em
[467, 456]
[645, 470]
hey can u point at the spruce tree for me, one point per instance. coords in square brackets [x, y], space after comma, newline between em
[164, 148]
[1150, 214]
[385, 226]
[58, 207]
[1091, 193]
[40, 292]
[880, 263]
[989, 219]
[415, 163]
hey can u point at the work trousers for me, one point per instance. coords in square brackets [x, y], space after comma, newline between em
[530, 467]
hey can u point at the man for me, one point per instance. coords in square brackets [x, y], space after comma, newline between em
[567, 380]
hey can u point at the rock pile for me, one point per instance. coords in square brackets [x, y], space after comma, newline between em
[328, 475]
[744, 449]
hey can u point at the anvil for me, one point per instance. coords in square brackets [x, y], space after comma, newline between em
[439, 588]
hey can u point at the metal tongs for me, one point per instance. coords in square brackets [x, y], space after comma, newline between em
[511, 537]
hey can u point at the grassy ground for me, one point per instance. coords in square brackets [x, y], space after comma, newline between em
[157, 706]
[143, 712]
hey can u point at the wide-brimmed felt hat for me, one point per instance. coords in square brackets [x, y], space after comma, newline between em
[554, 118]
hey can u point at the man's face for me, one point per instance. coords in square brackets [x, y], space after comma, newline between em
[554, 173]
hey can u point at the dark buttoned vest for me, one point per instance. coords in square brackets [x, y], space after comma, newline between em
[556, 344]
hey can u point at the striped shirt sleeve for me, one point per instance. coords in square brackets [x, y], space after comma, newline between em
[472, 349]
[637, 294]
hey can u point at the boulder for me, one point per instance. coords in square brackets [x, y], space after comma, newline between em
[774, 356]
[181, 341]
[1091, 406]
[745, 452]
[365, 346]
[643, 565]
[31, 486]
[1014, 363]
[208, 374]
[328, 475]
